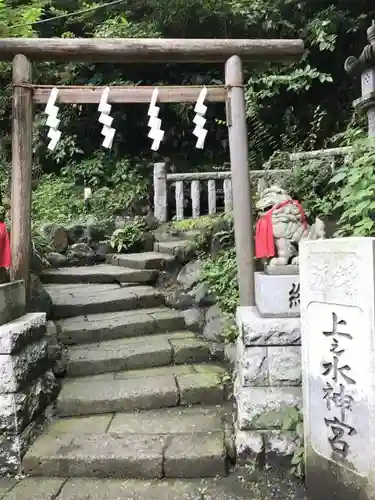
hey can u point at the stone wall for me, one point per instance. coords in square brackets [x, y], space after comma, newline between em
[27, 382]
[267, 386]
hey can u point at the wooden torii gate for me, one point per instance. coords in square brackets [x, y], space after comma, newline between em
[117, 50]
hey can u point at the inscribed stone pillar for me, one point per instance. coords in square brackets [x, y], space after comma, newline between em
[338, 360]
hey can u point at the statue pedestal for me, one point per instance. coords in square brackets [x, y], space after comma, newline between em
[277, 295]
[268, 369]
[282, 270]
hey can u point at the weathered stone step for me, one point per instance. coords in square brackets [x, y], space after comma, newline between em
[162, 235]
[160, 371]
[192, 442]
[78, 299]
[128, 455]
[140, 352]
[179, 420]
[172, 247]
[121, 324]
[144, 260]
[135, 390]
[103, 273]
[233, 487]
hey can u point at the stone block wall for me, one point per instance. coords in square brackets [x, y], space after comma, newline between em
[267, 386]
[12, 301]
[27, 386]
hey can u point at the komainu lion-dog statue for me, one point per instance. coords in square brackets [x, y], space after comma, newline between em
[281, 226]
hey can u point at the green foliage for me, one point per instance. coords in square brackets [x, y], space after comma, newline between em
[56, 200]
[129, 238]
[15, 15]
[355, 185]
[289, 107]
[220, 274]
[118, 185]
[293, 421]
[229, 329]
[309, 182]
[282, 101]
[203, 222]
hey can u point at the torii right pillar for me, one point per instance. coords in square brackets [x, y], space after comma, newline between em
[365, 66]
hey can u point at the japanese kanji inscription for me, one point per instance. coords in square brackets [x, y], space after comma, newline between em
[337, 328]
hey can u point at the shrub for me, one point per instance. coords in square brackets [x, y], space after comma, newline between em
[308, 181]
[220, 274]
[56, 200]
[118, 184]
[355, 184]
[129, 238]
[203, 222]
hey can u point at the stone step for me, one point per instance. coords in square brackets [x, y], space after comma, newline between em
[121, 324]
[179, 420]
[103, 273]
[144, 260]
[136, 353]
[128, 455]
[172, 247]
[79, 299]
[176, 235]
[153, 388]
[193, 444]
[236, 486]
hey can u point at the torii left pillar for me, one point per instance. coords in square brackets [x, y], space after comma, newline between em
[22, 118]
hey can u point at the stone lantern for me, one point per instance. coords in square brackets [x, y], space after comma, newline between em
[365, 66]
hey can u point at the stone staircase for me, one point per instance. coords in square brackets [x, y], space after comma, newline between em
[142, 397]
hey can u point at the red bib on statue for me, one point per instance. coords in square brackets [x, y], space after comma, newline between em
[264, 239]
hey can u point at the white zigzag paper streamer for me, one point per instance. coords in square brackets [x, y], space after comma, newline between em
[106, 120]
[156, 134]
[200, 109]
[52, 121]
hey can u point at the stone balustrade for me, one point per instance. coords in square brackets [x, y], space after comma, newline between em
[162, 181]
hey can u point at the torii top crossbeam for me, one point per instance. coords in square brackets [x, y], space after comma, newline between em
[149, 50]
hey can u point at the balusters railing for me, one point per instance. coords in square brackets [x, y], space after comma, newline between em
[211, 187]
[179, 200]
[228, 197]
[195, 198]
[160, 192]
[196, 180]
[207, 180]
